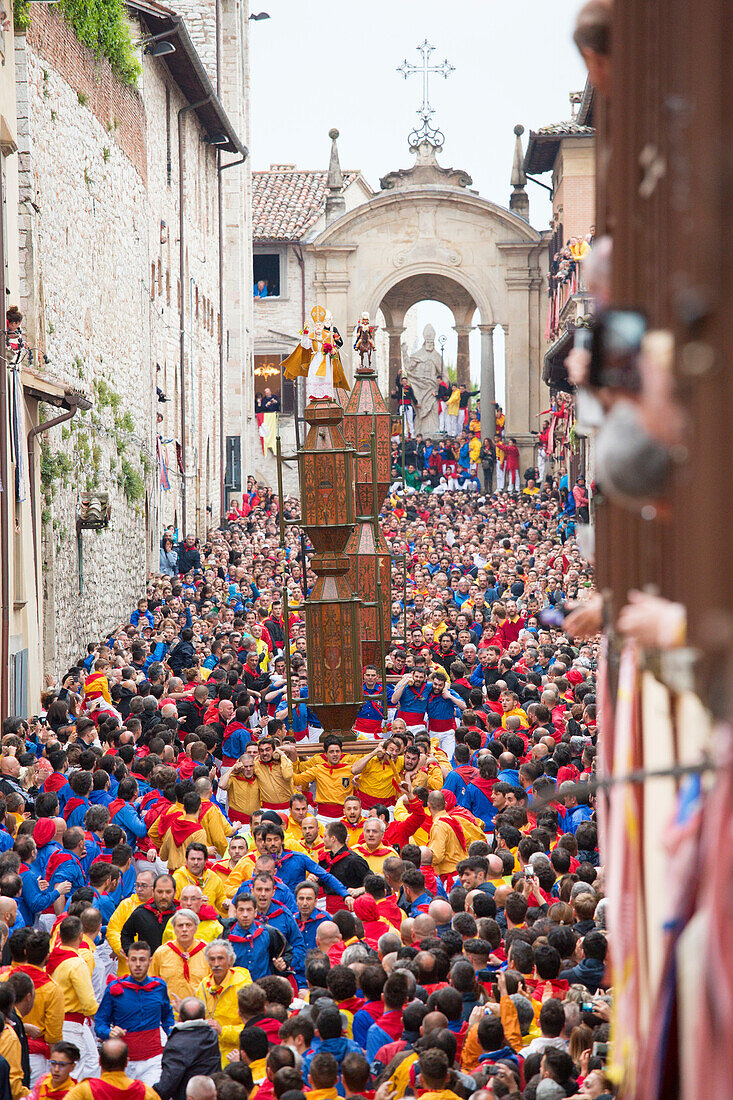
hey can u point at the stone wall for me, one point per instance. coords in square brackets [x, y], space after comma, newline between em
[100, 288]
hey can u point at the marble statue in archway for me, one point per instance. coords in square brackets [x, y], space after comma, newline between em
[423, 373]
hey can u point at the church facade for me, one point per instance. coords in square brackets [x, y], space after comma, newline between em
[328, 239]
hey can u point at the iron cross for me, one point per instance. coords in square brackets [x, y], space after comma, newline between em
[426, 111]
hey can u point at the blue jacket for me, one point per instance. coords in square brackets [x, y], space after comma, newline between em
[38, 866]
[455, 784]
[309, 927]
[236, 743]
[280, 918]
[136, 616]
[252, 948]
[293, 867]
[70, 870]
[101, 798]
[572, 818]
[588, 972]
[506, 1054]
[480, 806]
[419, 905]
[126, 885]
[136, 1006]
[33, 901]
[338, 1047]
[131, 823]
[77, 815]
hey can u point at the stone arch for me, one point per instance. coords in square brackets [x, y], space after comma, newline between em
[463, 250]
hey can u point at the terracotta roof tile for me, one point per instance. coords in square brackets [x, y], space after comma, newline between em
[287, 201]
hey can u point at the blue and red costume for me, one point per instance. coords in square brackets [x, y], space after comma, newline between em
[141, 1008]
[411, 705]
[370, 719]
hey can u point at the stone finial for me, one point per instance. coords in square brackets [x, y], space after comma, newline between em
[335, 202]
[519, 200]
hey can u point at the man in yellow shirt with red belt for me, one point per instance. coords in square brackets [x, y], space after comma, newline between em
[378, 775]
[331, 773]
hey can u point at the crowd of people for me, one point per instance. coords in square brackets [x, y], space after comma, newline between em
[191, 906]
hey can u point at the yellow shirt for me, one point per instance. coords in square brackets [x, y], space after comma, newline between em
[474, 449]
[275, 780]
[118, 1080]
[10, 1050]
[380, 778]
[430, 777]
[217, 829]
[223, 869]
[243, 794]
[48, 1008]
[447, 851]
[73, 978]
[376, 858]
[209, 883]
[294, 834]
[166, 964]
[175, 854]
[221, 1005]
[453, 403]
[333, 783]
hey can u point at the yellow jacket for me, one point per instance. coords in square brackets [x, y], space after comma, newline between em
[447, 851]
[221, 1005]
[210, 884]
[217, 829]
[154, 830]
[224, 871]
[243, 871]
[75, 982]
[376, 858]
[294, 834]
[48, 1007]
[430, 777]
[275, 780]
[169, 966]
[333, 784]
[207, 931]
[297, 363]
[114, 928]
[453, 403]
[10, 1050]
[474, 449]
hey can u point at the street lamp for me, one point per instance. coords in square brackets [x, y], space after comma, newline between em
[442, 341]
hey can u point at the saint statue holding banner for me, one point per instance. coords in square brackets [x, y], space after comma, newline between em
[317, 358]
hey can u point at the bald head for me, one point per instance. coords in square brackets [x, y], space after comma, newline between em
[327, 935]
[501, 894]
[423, 928]
[200, 1088]
[406, 932]
[441, 911]
[434, 1021]
[113, 1056]
[426, 857]
[496, 867]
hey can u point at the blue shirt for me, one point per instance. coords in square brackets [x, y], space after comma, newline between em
[252, 948]
[293, 867]
[280, 918]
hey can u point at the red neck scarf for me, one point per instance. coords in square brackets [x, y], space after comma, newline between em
[331, 768]
[58, 955]
[115, 807]
[186, 956]
[38, 977]
[460, 836]
[181, 830]
[160, 917]
[104, 1090]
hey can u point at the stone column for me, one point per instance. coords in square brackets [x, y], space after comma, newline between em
[463, 355]
[395, 363]
[488, 390]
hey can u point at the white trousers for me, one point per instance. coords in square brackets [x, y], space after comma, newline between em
[148, 1071]
[500, 477]
[39, 1067]
[442, 418]
[512, 480]
[541, 463]
[83, 1037]
[408, 419]
[452, 425]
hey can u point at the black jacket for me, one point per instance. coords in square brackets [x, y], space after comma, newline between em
[142, 924]
[193, 713]
[188, 558]
[348, 867]
[183, 656]
[5, 1093]
[192, 1049]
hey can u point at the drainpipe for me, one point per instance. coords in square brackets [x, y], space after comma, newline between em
[182, 315]
[298, 250]
[75, 402]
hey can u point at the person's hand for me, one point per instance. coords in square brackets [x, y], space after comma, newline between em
[601, 1008]
[63, 887]
[215, 1024]
[653, 621]
[10, 750]
[385, 1092]
[233, 1055]
[175, 1001]
[116, 1032]
[583, 1062]
[280, 963]
[501, 982]
[33, 1031]
[349, 902]
[477, 1015]
[152, 855]
[42, 885]
[586, 617]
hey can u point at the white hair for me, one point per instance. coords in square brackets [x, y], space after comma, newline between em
[188, 914]
[200, 1088]
[219, 943]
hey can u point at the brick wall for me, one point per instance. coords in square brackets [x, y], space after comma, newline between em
[116, 106]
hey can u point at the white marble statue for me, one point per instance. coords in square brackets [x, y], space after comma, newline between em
[423, 371]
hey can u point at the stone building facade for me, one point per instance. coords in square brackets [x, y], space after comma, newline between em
[111, 313]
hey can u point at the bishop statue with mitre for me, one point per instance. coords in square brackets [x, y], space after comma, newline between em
[317, 358]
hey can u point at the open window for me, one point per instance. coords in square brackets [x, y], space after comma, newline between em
[266, 275]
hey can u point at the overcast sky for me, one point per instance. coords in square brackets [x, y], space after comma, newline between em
[331, 63]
